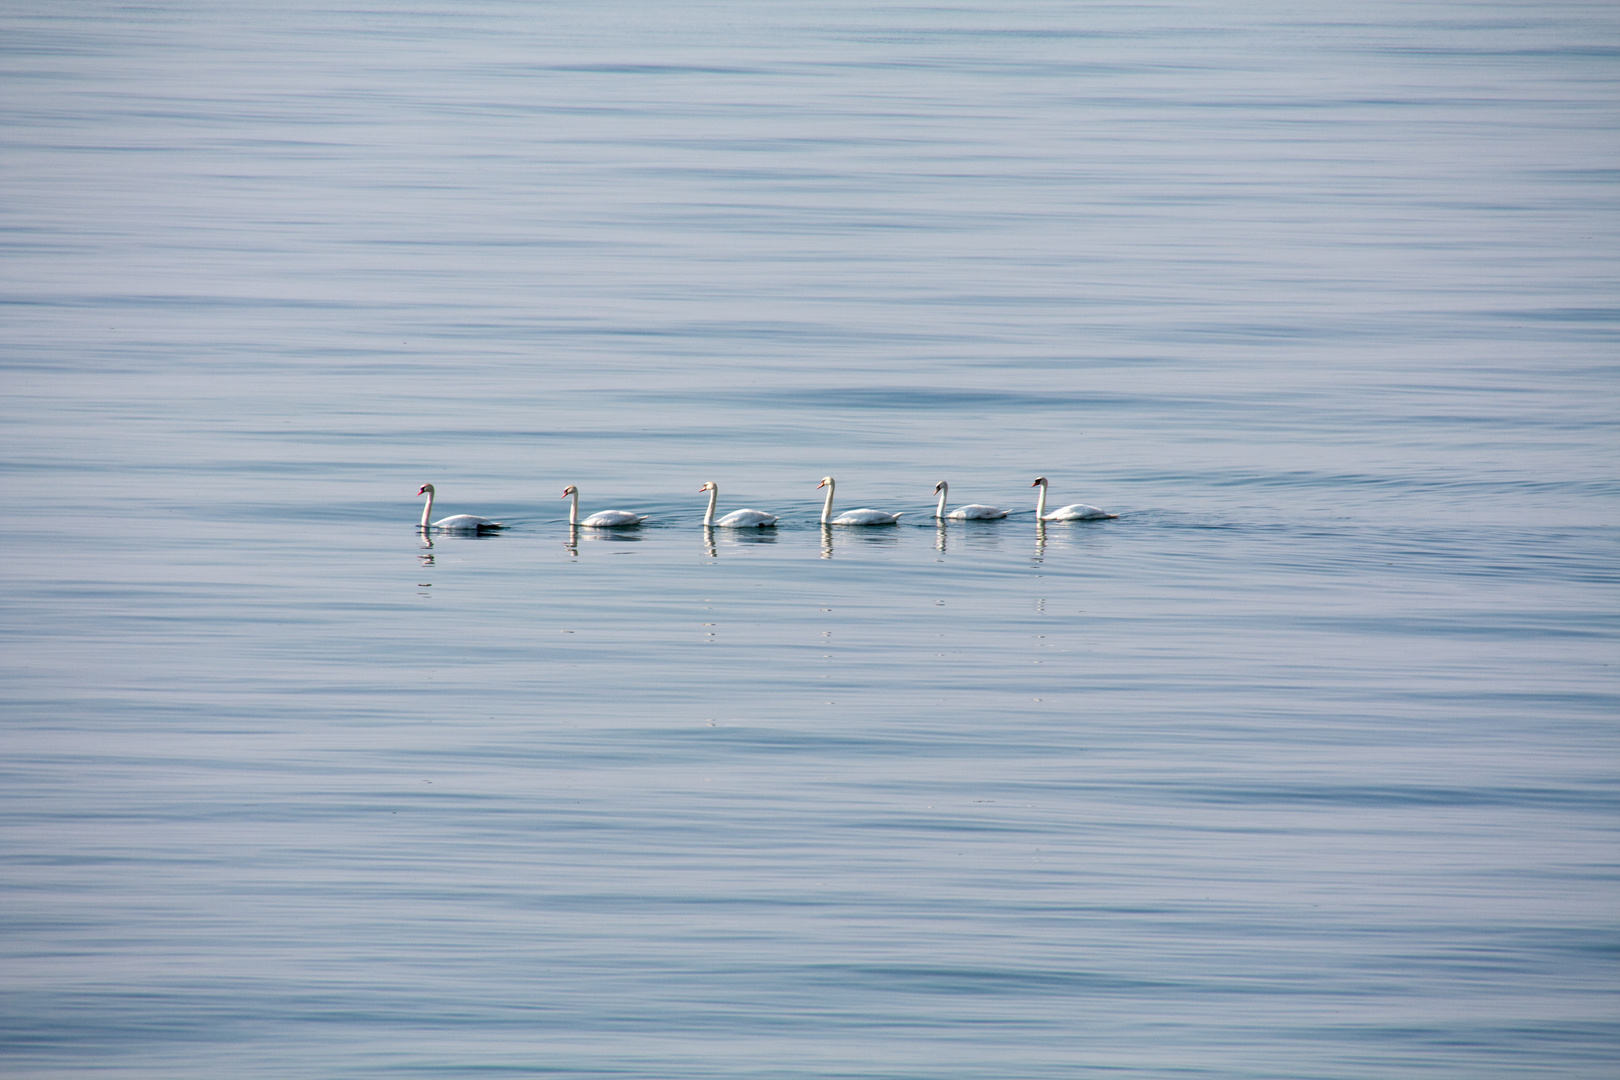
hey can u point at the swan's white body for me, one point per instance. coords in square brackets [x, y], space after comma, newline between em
[737, 519]
[603, 519]
[1072, 512]
[455, 523]
[970, 512]
[862, 516]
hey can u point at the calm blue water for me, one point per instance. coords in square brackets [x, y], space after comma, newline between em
[1306, 767]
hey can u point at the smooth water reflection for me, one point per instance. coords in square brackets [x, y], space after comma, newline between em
[1301, 767]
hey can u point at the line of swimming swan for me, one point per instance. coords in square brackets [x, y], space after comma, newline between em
[759, 519]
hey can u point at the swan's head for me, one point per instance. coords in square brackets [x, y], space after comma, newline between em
[826, 481]
[425, 489]
[1040, 481]
[570, 490]
[708, 485]
[939, 487]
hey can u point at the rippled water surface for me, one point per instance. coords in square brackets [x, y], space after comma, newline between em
[1304, 766]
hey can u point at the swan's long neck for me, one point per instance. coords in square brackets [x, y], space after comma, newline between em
[427, 510]
[708, 516]
[944, 490]
[573, 509]
[826, 507]
[1040, 503]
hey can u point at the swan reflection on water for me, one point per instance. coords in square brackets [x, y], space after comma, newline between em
[1071, 533]
[863, 537]
[735, 538]
[600, 536]
[971, 533]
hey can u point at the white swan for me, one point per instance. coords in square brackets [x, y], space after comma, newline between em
[970, 512]
[457, 522]
[604, 519]
[737, 519]
[1072, 512]
[852, 517]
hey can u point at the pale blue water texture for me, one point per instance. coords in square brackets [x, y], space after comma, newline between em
[1303, 767]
